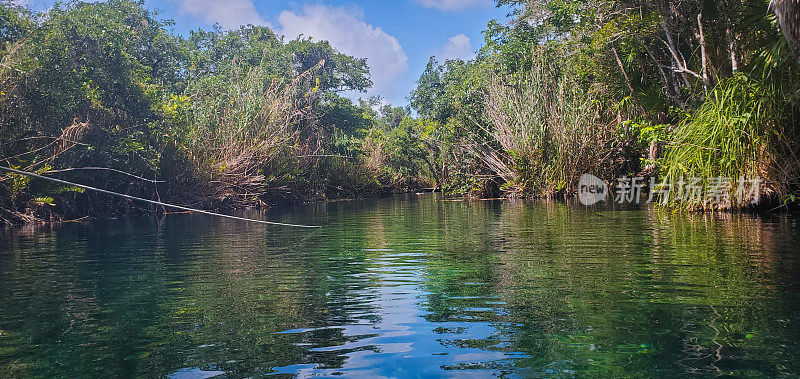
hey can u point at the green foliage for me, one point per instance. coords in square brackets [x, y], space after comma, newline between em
[534, 124]
[15, 23]
[18, 184]
[340, 72]
[220, 115]
[549, 127]
[242, 115]
[44, 200]
[738, 132]
[645, 131]
[427, 98]
[339, 113]
[101, 63]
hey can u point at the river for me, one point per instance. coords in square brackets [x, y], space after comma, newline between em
[410, 286]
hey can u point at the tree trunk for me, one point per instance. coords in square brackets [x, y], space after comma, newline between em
[788, 14]
[678, 65]
[732, 47]
[703, 54]
[628, 82]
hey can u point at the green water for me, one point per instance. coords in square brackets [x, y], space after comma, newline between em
[408, 286]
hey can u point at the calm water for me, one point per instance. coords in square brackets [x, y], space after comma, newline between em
[409, 286]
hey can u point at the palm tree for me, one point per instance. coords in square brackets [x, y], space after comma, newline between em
[788, 13]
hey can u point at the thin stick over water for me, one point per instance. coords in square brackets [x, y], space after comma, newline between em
[152, 201]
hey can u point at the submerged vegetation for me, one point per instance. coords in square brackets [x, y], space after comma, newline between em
[105, 94]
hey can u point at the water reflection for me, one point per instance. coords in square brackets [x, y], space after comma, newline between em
[409, 286]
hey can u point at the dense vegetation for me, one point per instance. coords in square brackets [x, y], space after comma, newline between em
[105, 94]
[666, 89]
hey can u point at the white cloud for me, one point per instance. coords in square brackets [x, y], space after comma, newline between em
[229, 14]
[347, 32]
[455, 5]
[458, 46]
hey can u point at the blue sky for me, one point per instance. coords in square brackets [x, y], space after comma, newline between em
[396, 36]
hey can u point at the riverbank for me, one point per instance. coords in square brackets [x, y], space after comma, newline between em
[89, 204]
[107, 95]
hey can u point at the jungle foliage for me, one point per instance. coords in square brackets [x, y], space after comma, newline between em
[106, 95]
[665, 89]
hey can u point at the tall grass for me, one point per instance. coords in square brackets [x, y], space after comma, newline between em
[549, 126]
[245, 132]
[743, 130]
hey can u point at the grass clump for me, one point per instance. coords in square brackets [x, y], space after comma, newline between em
[743, 131]
[549, 128]
[245, 133]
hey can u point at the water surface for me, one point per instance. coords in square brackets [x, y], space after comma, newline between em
[407, 286]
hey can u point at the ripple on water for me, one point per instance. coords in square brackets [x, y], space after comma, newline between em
[405, 288]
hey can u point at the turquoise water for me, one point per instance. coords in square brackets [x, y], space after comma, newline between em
[410, 286]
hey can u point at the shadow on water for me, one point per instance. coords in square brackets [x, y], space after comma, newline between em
[407, 286]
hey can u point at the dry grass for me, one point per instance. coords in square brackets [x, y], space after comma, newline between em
[248, 130]
[549, 127]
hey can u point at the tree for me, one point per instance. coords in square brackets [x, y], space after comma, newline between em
[340, 72]
[788, 13]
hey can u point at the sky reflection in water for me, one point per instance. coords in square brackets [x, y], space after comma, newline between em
[408, 286]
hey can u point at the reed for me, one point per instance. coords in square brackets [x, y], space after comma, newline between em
[549, 128]
[246, 129]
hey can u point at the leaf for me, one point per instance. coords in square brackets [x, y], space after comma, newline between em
[44, 200]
